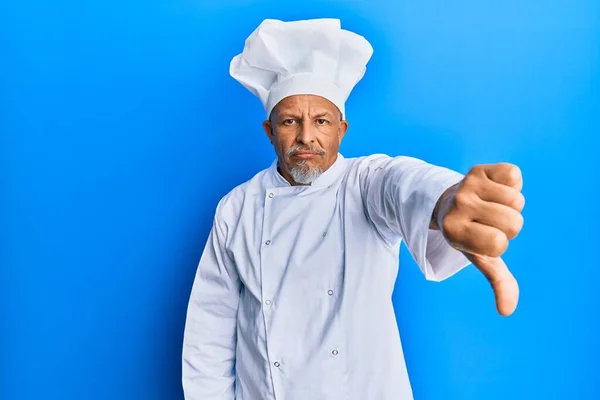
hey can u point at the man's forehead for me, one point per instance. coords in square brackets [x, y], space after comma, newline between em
[306, 103]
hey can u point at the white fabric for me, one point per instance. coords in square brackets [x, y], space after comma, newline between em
[293, 294]
[315, 57]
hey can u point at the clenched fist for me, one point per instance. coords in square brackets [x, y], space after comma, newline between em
[478, 216]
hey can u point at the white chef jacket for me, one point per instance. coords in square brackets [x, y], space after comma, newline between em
[292, 299]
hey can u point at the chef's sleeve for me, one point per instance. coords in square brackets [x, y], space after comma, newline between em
[399, 195]
[209, 342]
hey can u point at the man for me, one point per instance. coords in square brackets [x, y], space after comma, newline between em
[292, 296]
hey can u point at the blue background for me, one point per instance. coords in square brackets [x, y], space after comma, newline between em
[120, 129]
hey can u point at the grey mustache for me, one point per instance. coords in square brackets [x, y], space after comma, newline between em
[293, 150]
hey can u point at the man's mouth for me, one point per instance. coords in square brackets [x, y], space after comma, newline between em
[306, 154]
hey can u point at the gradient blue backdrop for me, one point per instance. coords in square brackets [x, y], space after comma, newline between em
[120, 129]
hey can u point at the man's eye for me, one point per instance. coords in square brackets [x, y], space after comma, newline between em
[288, 122]
[322, 121]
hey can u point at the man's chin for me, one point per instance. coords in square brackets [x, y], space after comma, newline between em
[305, 175]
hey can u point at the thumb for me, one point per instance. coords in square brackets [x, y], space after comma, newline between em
[504, 284]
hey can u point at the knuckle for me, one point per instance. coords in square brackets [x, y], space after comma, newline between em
[476, 170]
[518, 202]
[452, 227]
[461, 198]
[470, 182]
[498, 244]
[513, 173]
[515, 226]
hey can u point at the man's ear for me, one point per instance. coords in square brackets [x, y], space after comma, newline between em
[268, 128]
[343, 129]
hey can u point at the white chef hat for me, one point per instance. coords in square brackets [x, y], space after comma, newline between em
[313, 57]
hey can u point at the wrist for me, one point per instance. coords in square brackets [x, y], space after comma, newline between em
[442, 206]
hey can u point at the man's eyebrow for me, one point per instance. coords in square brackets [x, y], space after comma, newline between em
[287, 115]
[290, 114]
[327, 114]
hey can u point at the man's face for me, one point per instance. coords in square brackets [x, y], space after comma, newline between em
[306, 132]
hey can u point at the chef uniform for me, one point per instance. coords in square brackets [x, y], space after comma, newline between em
[292, 299]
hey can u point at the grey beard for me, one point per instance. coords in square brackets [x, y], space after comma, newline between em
[304, 175]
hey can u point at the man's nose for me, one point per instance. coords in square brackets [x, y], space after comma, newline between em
[306, 132]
